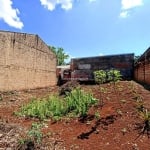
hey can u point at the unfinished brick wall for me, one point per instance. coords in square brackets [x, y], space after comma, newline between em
[142, 68]
[123, 63]
[25, 62]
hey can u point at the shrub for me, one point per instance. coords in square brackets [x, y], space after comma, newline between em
[52, 107]
[114, 75]
[77, 101]
[100, 76]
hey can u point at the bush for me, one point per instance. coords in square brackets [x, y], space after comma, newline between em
[79, 102]
[52, 107]
[100, 76]
[76, 101]
[114, 75]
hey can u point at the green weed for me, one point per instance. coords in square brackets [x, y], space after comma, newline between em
[34, 133]
[77, 103]
[145, 115]
[97, 115]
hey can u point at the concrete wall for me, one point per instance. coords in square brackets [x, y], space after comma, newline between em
[142, 68]
[123, 62]
[25, 62]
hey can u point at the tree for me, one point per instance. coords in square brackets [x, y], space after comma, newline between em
[60, 54]
[136, 59]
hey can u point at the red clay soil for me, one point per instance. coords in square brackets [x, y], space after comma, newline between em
[119, 126]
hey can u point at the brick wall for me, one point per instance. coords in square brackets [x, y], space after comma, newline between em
[123, 62]
[25, 62]
[142, 68]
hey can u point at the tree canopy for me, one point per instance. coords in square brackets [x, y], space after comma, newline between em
[60, 54]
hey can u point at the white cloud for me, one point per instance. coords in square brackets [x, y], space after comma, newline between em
[51, 4]
[9, 14]
[124, 14]
[128, 5]
[65, 4]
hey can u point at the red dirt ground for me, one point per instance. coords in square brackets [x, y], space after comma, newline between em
[117, 128]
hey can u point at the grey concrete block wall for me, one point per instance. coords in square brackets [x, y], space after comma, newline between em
[25, 62]
[122, 62]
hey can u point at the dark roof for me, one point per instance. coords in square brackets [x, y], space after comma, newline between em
[145, 55]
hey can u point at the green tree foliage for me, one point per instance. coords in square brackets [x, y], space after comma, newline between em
[60, 54]
[136, 58]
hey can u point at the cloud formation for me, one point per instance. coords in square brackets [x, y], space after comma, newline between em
[128, 5]
[51, 4]
[10, 15]
[65, 4]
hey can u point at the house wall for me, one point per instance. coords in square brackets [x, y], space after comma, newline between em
[123, 63]
[142, 68]
[25, 62]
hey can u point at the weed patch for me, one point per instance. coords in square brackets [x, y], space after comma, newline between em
[76, 102]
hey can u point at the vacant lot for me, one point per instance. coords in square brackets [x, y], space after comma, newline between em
[116, 123]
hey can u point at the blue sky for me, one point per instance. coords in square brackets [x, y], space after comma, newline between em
[82, 27]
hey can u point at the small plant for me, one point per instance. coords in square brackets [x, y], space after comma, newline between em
[137, 97]
[145, 115]
[124, 130]
[100, 78]
[97, 115]
[140, 106]
[22, 141]
[114, 75]
[34, 137]
[34, 133]
[25, 144]
[79, 102]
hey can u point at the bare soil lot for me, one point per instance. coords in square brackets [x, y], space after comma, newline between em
[117, 125]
